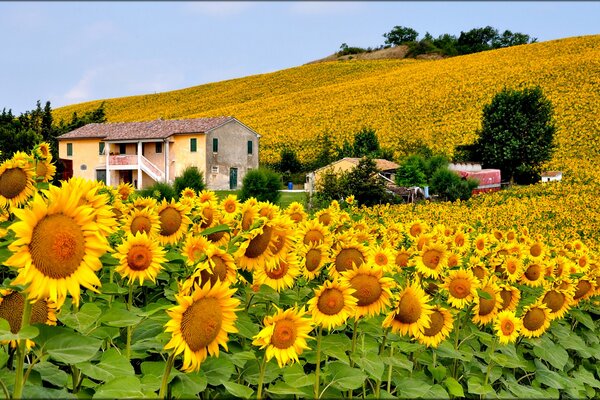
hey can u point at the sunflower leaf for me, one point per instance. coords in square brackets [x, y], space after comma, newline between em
[72, 348]
[238, 390]
[484, 295]
[29, 332]
[345, 377]
[215, 229]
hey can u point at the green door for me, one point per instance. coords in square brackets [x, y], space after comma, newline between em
[233, 178]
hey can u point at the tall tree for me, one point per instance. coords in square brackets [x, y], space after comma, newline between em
[400, 35]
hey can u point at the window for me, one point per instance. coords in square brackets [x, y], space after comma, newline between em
[215, 169]
[193, 145]
[122, 148]
[69, 149]
[250, 149]
[101, 148]
[215, 145]
[158, 147]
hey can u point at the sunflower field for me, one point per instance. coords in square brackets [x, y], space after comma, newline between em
[106, 294]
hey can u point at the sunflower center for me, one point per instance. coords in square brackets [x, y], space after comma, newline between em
[507, 327]
[431, 258]
[57, 246]
[533, 272]
[487, 306]
[40, 170]
[402, 259]
[215, 237]
[325, 219]
[511, 267]
[415, 230]
[284, 334]
[459, 241]
[582, 288]
[506, 296]
[368, 289]
[459, 288]
[229, 207]
[247, 220]
[313, 236]
[11, 309]
[313, 259]
[348, 259]
[278, 243]
[478, 271]
[534, 319]
[141, 223]
[437, 323]
[296, 217]
[331, 301]
[259, 244]
[208, 216]
[453, 260]
[480, 245]
[381, 259]
[12, 182]
[170, 221]
[219, 271]
[554, 300]
[139, 257]
[278, 272]
[409, 309]
[201, 323]
[535, 250]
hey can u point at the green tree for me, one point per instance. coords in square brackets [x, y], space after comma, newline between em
[412, 172]
[326, 152]
[509, 38]
[365, 184]
[517, 134]
[365, 143]
[262, 184]
[451, 187]
[289, 162]
[476, 40]
[400, 35]
[191, 178]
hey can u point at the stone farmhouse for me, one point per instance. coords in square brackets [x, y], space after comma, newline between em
[143, 153]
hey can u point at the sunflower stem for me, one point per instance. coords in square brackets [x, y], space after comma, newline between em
[489, 366]
[382, 345]
[389, 377]
[129, 327]
[318, 368]
[456, 336]
[353, 342]
[261, 377]
[21, 350]
[165, 379]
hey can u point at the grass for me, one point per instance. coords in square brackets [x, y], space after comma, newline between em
[286, 199]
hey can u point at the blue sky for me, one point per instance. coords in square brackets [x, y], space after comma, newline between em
[70, 52]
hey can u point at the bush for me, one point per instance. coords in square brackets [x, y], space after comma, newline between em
[262, 184]
[159, 191]
[412, 172]
[191, 178]
[451, 187]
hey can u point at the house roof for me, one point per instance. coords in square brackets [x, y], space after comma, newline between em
[551, 173]
[380, 163]
[157, 129]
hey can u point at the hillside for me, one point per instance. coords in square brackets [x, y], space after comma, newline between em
[407, 101]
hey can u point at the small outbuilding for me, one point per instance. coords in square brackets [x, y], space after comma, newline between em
[551, 176]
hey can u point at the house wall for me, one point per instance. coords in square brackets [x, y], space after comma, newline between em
[232, 153]
[85, 156]
[181, 157]
[155, 158]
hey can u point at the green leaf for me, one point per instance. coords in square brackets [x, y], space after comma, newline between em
[407, 347]
[345, 377]
[29, 332]
[285, 389]
[446, 350]
[436, 392]
[267, 295]
[438, 373]
[583, 318]
[174, 257]
[454, 388]
[240, 358]
[113, 288]
[112, 365]
[252, 372]
[246, 327]
[522, 391]
[411, 387]
[398, 360]
[296, 377]
[549, 378]
[555, 354]
[51, 373]
[84, 319]
[119, 317]
[336, 345]
[372, 364]
[484, 295]
[215, 229]
[72, 348]
[3, 356]
[476, 386]
[217, 370]
[120, 388]
[39, 392]
[108, 260]
[238, 390]
[586, 377]
[189, 385]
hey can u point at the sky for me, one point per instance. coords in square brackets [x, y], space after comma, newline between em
[71, 52]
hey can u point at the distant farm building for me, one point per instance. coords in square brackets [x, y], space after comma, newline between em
[551, 176]
[489, 179]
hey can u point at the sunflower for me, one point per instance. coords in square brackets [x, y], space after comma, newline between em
[326, 217]
[584, 289]
[295, 211]
[332, 304]
[220, 238]
[282, 276]
[248, 215]
[461, 286]
[217, 266]
[439, 329]
[482, 244]
[535, 319]
[454, 260]
[485, 309]
[402, 258]
[393, 234]
[195, 248]
[145, 220]
[284, 335]
[140, 257]
[42, 151]
[187, 194]
[372, 289]
[347, 256]
[312, 231]
[510, 297]
[312, 259]
[125, 190]
[257, 250]
[283, 237]
[558, 301]
[230, 207]
[208, 214]
[512, 268]
[416, 228]
[432, 260]
[412, 313]
[536, 250]
[11, 309]
[139, 203]
[207, 196]
[268, 210]
[383, 257]
[533, 274]
[174, 221]
[201, 322]
[44, 170]
[460, 241]
[16, 183]
[507, 326]
[57, 247]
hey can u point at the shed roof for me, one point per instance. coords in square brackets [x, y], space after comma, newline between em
[157, 129]
[380, 163]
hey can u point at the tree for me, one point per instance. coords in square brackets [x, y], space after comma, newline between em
[365, 143]
[262, 184]
[289, 162]
[451, 187]
[412, 172]
[517, 134]
[365, 184]
[191, 178]
[476, 40]
[508, 39]
[400, 35]
[326, 152]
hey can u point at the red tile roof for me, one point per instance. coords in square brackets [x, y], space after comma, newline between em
[157, 129]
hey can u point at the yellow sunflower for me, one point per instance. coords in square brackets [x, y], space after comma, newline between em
[174, 221]
[412, 313]
[371, 289]
[248, 215]
[482, 244]
[284, 335]
[442, 323]
[461, 286]
[145, 220]
[507, 326]
[536, 250]
[460, 242]
[57, 247]
[284, 237]
[326, 217]
[207, 196]
[312, 231]
[312, 259]
[535, 319]
[256, 251]
[125, 190]
[512, 268]
[533, 274]
[140, 257]
[510, 297]
[140, 203]
[16, 183]
[558, 301]
[295, 211]
[402, 258]
[347, 256]
[268, 210]
[383, 257]
[432, 260]
[332, 304]
[42, 151]
[416, 228]
[201, 322]
[282, 276]
[584, 289]
[217, 266]
[230, 207]
[44, 170]
[485, 309]
[478, 267]
[195, 248]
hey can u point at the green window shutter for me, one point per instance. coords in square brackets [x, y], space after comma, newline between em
[250, 149]
[215, 145]
[69, 149]
[193, 145]
[101, 148]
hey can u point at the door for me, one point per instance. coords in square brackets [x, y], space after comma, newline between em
[233, 178]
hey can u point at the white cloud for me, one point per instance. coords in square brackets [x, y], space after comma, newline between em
[83, 88]
[218, 8]
[325, 7]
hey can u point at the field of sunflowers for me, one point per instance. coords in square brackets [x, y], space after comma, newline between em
[106, 294]
[438, 103]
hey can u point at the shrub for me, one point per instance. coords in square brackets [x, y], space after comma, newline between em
[159, 191]
[262, 184]
[191, 178]
[451, 187]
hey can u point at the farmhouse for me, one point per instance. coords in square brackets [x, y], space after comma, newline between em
[143, 153]
[551, 176]
[313, 179]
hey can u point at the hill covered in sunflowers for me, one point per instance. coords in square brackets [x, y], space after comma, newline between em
[408, 102]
